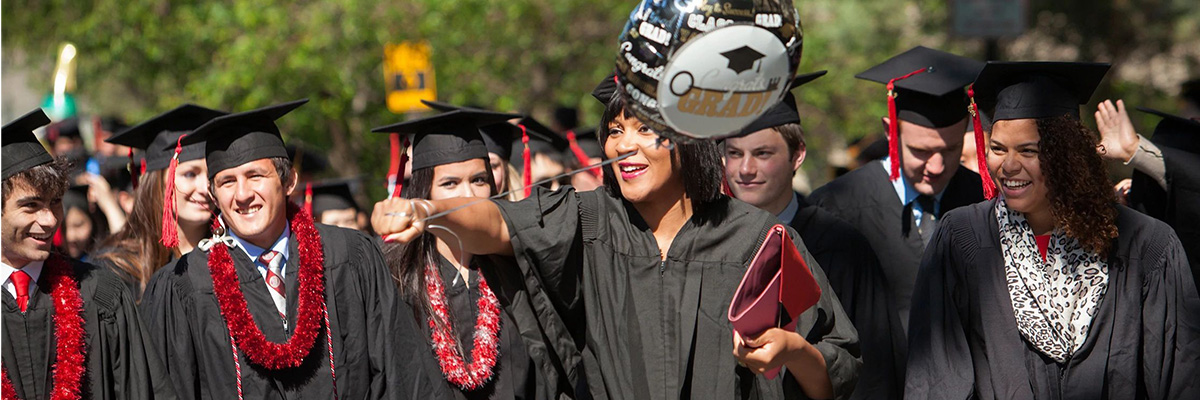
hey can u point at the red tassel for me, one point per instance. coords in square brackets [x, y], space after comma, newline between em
[170, 235]
[308, 198]
[894, 124]
[57, 242]
[134, 173]
[583, 158]
[393, 162]
[527, 177]
[989, 187]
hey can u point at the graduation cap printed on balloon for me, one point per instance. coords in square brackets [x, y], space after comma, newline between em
[924, 87]
[783, 113]
[705, 69]
[21, 149]
[1028, 90]
[159, 136]
[1175, 132]
[230, 141]
[447, 138]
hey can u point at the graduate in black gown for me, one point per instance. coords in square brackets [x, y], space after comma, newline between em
[642, 274]
[69, 327]
[136, 251]
[896, 202]
[244, 317]
[1166, 175]
[760, 164]
[473, 343]
[1051, 290]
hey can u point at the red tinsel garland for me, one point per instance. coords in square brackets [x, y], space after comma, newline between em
[445, 344]
[70, 349]
[311, 305]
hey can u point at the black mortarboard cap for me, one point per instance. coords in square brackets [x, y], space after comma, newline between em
[589, 142]
[68, 127]
[332, 195]
[783, 112]
[1175, 132]
[497, 137]
[933, 98]
[22, 150]
[1035, 89]
[76, 197]
[605, 90]
[566, 117]
[448, 137]
[1190, 91]
[306, 160]
[541, 138]
[235, 139]
[157, 136]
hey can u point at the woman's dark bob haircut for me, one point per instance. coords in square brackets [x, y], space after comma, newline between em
[700, 159]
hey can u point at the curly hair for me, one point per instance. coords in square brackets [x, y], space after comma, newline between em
[1081, 196]
[49, 179]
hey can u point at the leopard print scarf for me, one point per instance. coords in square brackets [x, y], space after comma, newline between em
[1055, 300]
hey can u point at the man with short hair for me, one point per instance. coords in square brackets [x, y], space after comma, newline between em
[896, 202]
[275, 306]
[760, 164]
[69, 327]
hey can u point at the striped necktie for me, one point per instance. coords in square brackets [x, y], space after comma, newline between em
[273, 260]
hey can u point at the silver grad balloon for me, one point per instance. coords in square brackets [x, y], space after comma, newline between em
[703, 69]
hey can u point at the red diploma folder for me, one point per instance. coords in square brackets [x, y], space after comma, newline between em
[777, 287]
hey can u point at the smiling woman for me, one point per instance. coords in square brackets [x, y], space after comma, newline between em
[643, 273]
[1050, 290]
[136, 251]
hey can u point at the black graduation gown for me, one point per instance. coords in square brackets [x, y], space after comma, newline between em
[654, 328]
[376, 348]
[867, 200]
[1179, 205]
[121, 363]
[855, 275]
[513, 376]
[1144, 341]
[131, 284]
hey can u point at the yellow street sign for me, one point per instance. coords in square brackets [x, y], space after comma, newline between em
[408, 73]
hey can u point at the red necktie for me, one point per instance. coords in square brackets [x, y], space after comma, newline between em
[20, 281]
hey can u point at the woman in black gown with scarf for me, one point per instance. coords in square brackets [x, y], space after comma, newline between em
[1051, 290]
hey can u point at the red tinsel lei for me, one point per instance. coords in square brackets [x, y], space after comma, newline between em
[445, 344]
[70, 349]
[245, 331]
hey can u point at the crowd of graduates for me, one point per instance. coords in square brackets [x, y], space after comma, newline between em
[979, 251]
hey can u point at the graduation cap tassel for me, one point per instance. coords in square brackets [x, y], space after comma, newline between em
[170, 235]
[894, 124]
[398, 160]
[308, 198]
[527, 175]
[989, 187]
[580, 154]
[134, 172]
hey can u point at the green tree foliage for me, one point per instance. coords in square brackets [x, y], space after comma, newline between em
[139, 57]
